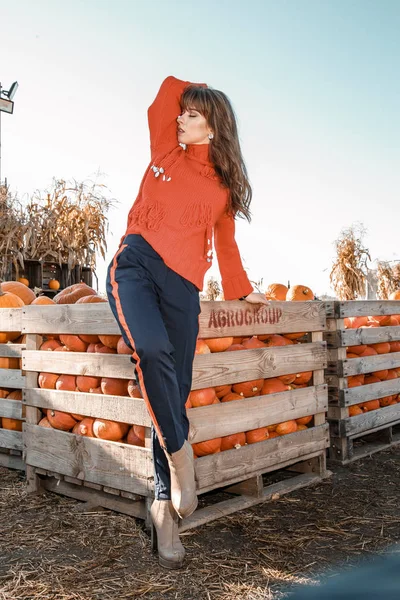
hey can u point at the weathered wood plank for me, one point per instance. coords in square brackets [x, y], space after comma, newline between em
[111, 464]
[11, 319]
[369, 364]
[234, 465]
[366, 308]
[12, 440]
[11, 378]
[216, 318]
[11, 350]
[370, 420]
[216, 420]
[368, 335]
[96, 498]
[228, 507]
[116, 408]
[12, 462]
[370, 391]
[12, 409]
[208, 369]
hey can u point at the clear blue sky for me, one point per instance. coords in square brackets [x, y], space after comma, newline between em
[315, 85]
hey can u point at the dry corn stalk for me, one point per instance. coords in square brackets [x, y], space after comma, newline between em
[348, 274]
[67, 224]
[212, 291]
[388, 279]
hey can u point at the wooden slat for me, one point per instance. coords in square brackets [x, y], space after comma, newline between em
[366, 308]
[112, 464]
[12, 462]
[369, 364]
[11, 319]
[216, 319]
[218, 420]
[368, 335]
[12, 409]
[96, 498]
[370, 420]
[208, 369]
[370, 391]
[115, 408]
[234, 465]
[11, 378]
[12, 440]
[11, 350]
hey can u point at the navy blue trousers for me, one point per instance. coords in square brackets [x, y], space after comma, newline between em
[158, 314]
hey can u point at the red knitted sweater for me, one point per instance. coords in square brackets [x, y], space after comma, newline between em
[181, 202]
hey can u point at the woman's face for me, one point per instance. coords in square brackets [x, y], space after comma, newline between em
[192, 128]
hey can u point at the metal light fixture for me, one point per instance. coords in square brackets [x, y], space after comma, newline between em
[6, 105]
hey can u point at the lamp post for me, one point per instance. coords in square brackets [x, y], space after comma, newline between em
[6, 105]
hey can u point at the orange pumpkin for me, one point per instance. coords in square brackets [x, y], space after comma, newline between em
[301, 427]
[72, 293]
[85, 382]
[248, 389]
[371, 379]
[286, 427]
[304, 420]
[45, 423]
[253, 342]
[19, 289]
[355, 322]
[235, 347]
[111, 341]
[358, 349]
[207, 447]
[287, 379]
[355, 410]
[237, 339]
[231, 397]
[102, 349]
[257, 435]
[136, 436]
[302, 378]
[277, 340]
[42, 301]
[382, 374]
[111, 386]
[9, 363]
[73, 343]
[202, 397]
[294, 336]
[54, 284]
[84, 427]
[395, 295]
[235, 440]
[273, 385]
[90, 300]
[122, 348]
[276, 291]
[381, 320]
[355, 380]
[66, 382]
[395, 346]
[48, 381]
[368, 352]
[24, 281]
[201, 347]
[299, 293]
[89, 339]
[370, 405]
[9, 300]
[60, 420]
[222, 390]
[109, 430]
[381, 347]
[133, 389]
[50, 345]
[219, 344]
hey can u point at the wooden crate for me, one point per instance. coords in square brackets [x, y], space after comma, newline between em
[11, 444]
[351, 437]
[120, 476]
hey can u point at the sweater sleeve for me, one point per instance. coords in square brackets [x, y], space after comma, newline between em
[162, 115]
[235, 282]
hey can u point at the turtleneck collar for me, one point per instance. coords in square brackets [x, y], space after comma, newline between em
[199, 152]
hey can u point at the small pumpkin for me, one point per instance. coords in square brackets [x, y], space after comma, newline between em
[207, 447]
[111, 386]
[42, 301]
[222, 390]
[19, 289]
[273, 385]
[235, 440]
[84, 427]
[24, 281]
[72, 293]
[122, 348]
[73, 343]
[66, 383]
[201, 347]
[54, 284]
[60, 420]
[276, 291]
[202, 397]
[111, 341]
[85, 382]
[248, 389]
[90, 300]
[48, 381]
[299, 293]
[133, 389]
[136, 436]
[110, 430]
[219, 344]
[286, 427]
[50, 345]
[257, 435]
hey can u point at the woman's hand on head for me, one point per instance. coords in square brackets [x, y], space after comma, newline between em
[256, 298]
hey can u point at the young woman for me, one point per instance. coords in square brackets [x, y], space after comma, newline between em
[194, 186]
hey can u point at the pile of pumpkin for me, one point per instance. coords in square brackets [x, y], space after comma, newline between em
[114, 344]
[364, 350]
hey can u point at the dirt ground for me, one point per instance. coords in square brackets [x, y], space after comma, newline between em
[52, 550]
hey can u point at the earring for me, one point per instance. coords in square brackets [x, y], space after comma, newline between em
[210, 136]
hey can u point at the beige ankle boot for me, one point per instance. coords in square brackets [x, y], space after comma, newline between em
[165, 538]
[183, 485]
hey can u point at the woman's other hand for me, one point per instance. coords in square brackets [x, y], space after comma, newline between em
[256, 298]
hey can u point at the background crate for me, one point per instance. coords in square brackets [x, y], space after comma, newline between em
[120, 476]
[351, 437]
[11, 444]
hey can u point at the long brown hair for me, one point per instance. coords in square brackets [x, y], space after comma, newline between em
[225, 153]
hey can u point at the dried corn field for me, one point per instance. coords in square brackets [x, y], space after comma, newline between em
[55, 548]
